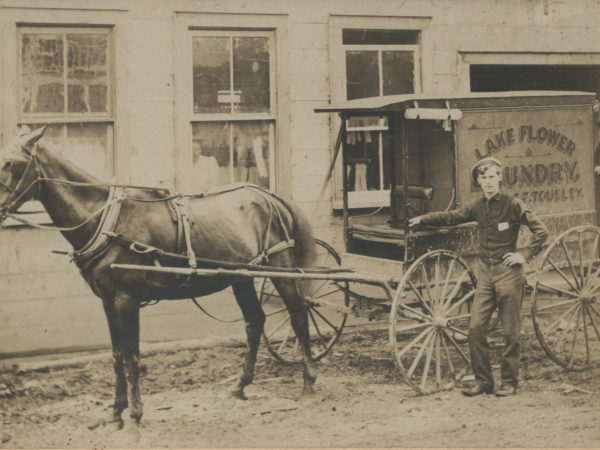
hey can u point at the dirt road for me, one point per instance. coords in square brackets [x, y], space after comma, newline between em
[361, 402]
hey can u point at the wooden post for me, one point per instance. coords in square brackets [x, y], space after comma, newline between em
[345, 217]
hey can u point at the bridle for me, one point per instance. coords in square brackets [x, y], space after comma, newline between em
[17, 190]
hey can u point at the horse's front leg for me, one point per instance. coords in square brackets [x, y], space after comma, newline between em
[127, 350]
[120, 382]
[245, 295]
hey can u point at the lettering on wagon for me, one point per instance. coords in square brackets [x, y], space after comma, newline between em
[527, 134]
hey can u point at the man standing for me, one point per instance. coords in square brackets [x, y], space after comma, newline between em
[501, 277]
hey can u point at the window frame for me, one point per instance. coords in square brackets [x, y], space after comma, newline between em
[381, 196]
[423, 81]
[66, 118]
[233, 117]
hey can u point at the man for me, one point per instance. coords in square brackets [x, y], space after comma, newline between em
[501, 278]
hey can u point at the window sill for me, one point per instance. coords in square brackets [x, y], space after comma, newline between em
[365, 199]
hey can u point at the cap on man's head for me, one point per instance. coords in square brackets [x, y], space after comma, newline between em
[483, 162]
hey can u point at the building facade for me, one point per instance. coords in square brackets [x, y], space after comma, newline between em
[192, 94]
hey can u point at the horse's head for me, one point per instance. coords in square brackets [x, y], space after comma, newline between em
[17, 170]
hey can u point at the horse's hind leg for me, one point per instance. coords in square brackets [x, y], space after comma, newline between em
[299, 318]
[245, 295]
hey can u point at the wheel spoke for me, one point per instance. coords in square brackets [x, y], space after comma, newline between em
[581, 258]
[463, 299]
[585, 334]
[428, 359]
[285, 340]
[560, 291]
[286, 318]
[448, 357]
[561, 273]
[317, 312]
[456, 346]
[553, 305]
[321, 338]
[420, 353]
[592, 321]
[557, 321]
[570, 261]
[412, 343]
[437, 279]
[446, 281]
[593, 254]
[412, 327]
[438, 368]
[456, 288]
[572, 352]
[414, 311]
[426, 282]
[459, 317]
[418, 294]
[325, 294]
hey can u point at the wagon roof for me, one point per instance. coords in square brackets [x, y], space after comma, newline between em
[391, 103]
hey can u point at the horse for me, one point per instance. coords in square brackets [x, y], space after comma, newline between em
[109, 224]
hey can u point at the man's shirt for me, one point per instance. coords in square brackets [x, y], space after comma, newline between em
[499, 220]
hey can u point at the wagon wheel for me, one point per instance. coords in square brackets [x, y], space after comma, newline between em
[429, 321]
[565, 297]
[325, 323]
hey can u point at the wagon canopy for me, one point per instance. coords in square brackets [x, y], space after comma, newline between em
[397, 103]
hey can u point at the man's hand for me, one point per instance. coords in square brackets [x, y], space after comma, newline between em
[513, 259]
[414, 221]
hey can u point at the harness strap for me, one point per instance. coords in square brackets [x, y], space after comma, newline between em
[181, 206]
[265, 254]
[108, 221]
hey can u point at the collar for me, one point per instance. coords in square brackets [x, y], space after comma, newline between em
[496, 196]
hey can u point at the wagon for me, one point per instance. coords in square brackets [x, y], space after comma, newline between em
[413, 154]
[405, 155]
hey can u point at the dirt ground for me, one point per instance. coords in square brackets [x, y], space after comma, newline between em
[361, 401]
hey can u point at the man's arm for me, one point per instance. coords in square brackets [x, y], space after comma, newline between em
[444, 218]
[539, 232]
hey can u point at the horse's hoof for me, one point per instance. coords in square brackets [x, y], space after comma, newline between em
[131, 429]
[114, 424]
[239, 394]
[307, 399]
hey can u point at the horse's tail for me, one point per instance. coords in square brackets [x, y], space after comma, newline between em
[304, 241]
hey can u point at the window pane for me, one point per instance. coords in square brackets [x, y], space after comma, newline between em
[251, 143]
[211, 155]
[85, 145]
[42, 87]
[211, 74]
[87, 75]
[362, 160]
[362, 74]
[398, 72]
[251, 73]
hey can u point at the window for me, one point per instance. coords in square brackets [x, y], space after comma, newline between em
[66, 79]
[234, 108]
[377, 63]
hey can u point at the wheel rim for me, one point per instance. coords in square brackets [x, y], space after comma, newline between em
[565, 302]
[325, 325]
[429, 321]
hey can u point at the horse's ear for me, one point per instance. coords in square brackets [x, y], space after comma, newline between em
[32, 138]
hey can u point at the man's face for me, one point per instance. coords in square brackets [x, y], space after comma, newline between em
[490, 181]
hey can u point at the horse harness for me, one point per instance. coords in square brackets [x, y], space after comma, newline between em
[178, 206]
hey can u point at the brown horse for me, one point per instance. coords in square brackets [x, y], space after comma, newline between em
[105, 227]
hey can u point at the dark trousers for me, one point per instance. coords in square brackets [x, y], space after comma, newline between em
[498, 286]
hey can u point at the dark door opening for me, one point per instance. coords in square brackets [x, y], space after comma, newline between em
[494, 77]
